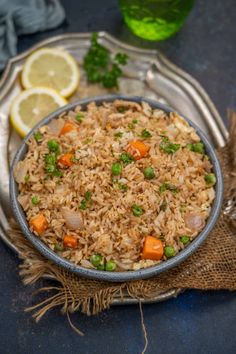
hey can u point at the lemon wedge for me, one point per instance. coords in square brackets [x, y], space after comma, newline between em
[32, 105]
[51, 67]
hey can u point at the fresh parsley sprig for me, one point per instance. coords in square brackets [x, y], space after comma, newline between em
[100, 67]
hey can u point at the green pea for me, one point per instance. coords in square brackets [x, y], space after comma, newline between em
[210, 179]
[116, 169]
[58, 247]
[53, 145]
[35, 200]
[137, 210]
[169, 251]
[110, 266]
[196, 147]
[96, 259]
[149, 173]
[184, 239]
[101, 266]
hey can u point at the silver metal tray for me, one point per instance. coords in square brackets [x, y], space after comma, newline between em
[148, 74]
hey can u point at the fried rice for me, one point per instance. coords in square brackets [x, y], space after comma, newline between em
[97, 183]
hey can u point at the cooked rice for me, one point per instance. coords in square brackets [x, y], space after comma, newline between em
[108, 224]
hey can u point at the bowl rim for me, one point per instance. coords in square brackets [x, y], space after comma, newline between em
[127, 275]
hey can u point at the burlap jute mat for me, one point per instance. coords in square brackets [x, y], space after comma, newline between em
[212, 266]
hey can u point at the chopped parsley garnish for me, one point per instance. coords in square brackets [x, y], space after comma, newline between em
[162, 237]
[53, 146]
[167, 146]
[145, 134]
[116, 169]
[88, 141]
[122, 109]
[126, 158]
[85, 201]
[137, 210]
[123, 187]
[118, 135]
[51, 164]
[163, 205]
[121, 58]
[38, 136]
[27, 178]
[132, 125]
[79, 117]
[99, 65]
[168, 186]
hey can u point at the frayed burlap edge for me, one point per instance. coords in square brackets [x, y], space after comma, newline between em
[212, 266]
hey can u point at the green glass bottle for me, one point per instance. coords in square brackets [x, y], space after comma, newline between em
[155, 19]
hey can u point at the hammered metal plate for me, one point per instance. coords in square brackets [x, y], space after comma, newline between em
[147, 74]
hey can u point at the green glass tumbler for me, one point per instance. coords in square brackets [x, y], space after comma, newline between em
[155, 19]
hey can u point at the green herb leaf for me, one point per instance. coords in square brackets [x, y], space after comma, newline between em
[168, 147]
[88, 141]
[163, 205]
[123, 187]
[27, 178]
[126, 158]
[137, 210]
[121, 58]
[145, 134]
[85, 201]
[53, 145]
[132, 125]
[122, 109]
[168, 186]
[88, 196]
[38, 136]
[118, 135]
[79, 117]
[99, 65]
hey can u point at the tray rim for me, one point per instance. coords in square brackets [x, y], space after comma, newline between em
[167, 67]
[143, 51]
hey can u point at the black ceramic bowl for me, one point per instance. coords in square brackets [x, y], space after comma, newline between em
[128, 275]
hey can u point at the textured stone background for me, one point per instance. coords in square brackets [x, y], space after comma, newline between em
[196, 322]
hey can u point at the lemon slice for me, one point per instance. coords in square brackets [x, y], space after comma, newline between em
[51, 67]
[32, 105]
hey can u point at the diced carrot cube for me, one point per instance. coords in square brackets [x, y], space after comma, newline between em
[38, 223]
[66, 160]
[137, 149]
[152, 249]
[68, 127]
[70, 241]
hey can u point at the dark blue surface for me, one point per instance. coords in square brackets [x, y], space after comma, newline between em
[196, 322]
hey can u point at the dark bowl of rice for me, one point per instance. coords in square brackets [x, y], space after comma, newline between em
[116, 188]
